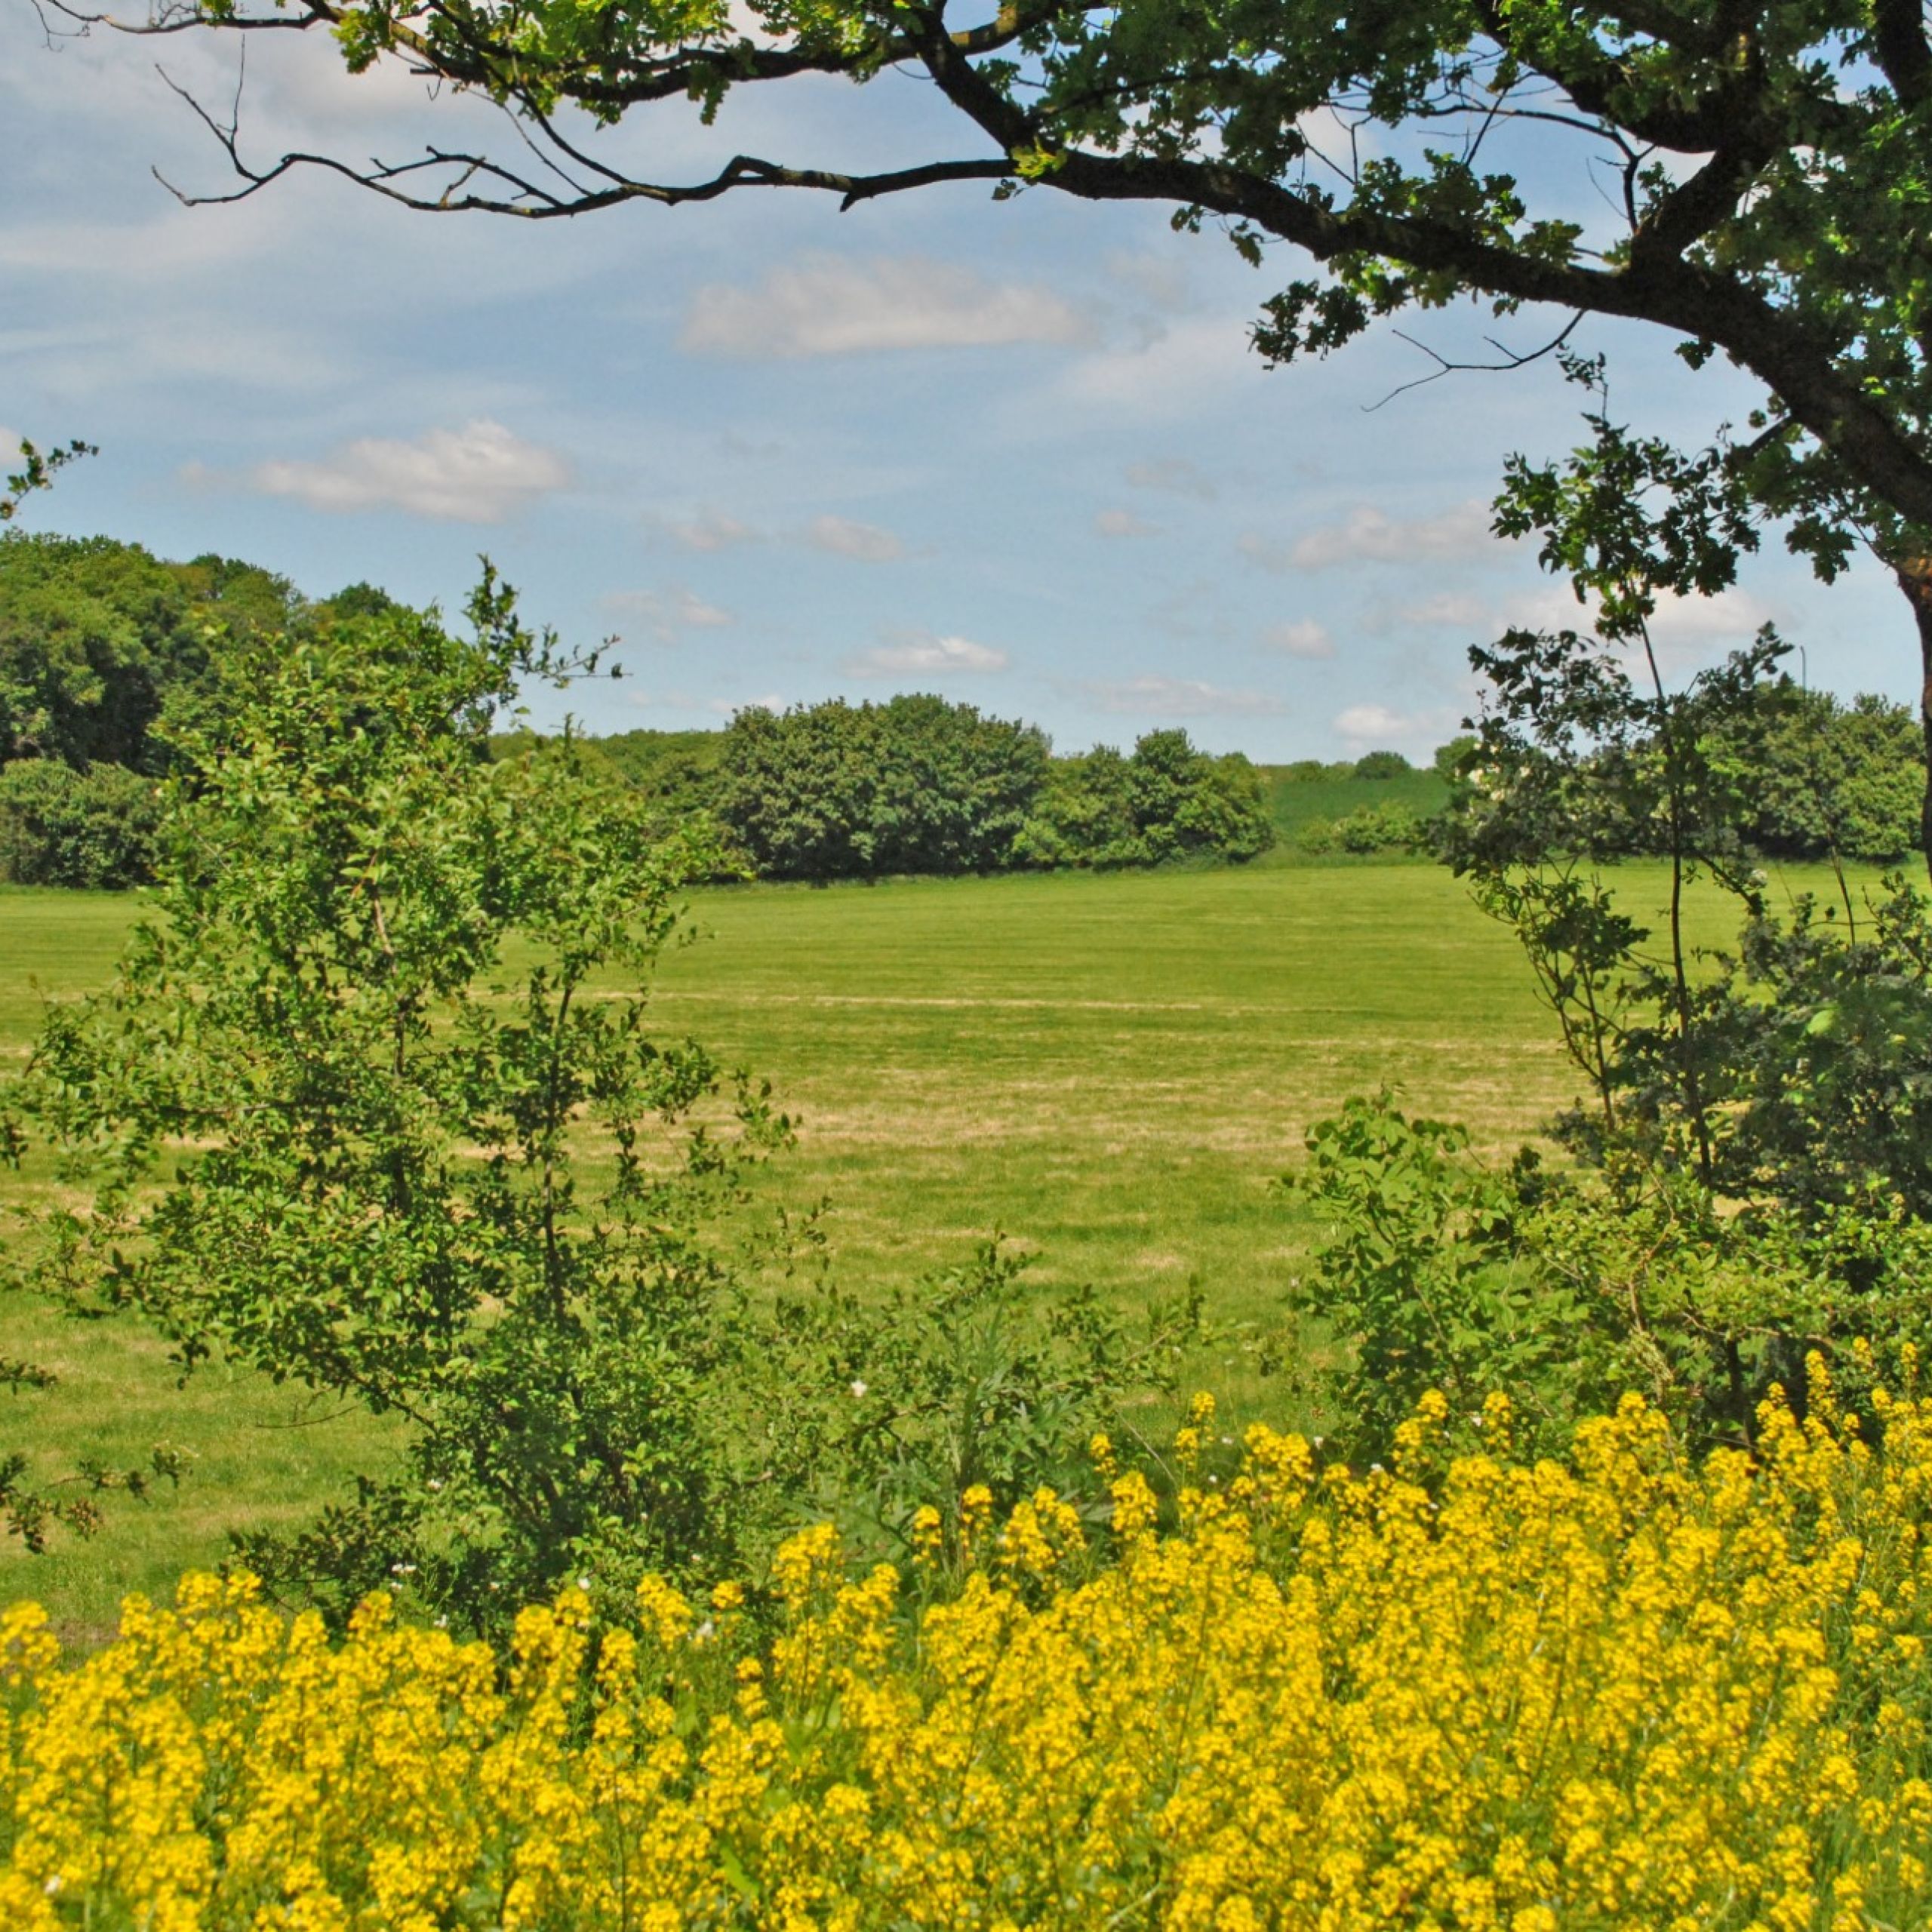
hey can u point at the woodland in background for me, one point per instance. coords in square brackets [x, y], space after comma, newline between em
[106, 650]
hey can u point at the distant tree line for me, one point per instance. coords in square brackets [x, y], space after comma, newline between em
[107, 653]
[920, 784]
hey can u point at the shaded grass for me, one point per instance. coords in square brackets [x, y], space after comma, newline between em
[1110, 1068]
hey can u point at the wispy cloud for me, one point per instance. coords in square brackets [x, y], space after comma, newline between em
[1367, 534]
[1122, 523]
[1174, 474]
[480, 473]
[1454, 607]
[665, 615]
[868, 543]
[1178, 697]
[1302, 637]
[834, 305]
[711, 530]
[920, 652]
[1362, 726]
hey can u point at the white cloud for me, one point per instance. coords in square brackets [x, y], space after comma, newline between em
[1178, 697]
[843, 538]
[1171, 373]
[921, 653]
[665, 615]
[1175, 473]
[830, 305]
[711, 530]
[1680, 625]
[1302, 637]
[478, 474]
[1367, 534]
[1121, 523]
[1364, 726]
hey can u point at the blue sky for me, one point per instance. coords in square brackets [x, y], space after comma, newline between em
[1020, 454]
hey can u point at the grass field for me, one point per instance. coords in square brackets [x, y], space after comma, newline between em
[1294, 802]
[1109, 1069]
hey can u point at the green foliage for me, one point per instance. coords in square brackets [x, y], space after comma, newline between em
[97, 638]
[1416, 1282]
[1564, 1294]
[1818, 1036]
[1369, 829]
[1818, 776]
[913, 785]
[386, 1202]
[62, 827]
[916, 785]
[1186, 803]
[974, 1378]
[1381, 765]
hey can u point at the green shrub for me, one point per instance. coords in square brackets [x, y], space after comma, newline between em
[94, 828]
[1381, 765]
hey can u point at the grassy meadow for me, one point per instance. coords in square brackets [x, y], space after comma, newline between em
[1111, 1068]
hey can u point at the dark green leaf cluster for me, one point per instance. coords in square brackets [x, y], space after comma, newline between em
[919, 785]
[914, 785]
[1165, 801]
[94, 828]
[102, 647]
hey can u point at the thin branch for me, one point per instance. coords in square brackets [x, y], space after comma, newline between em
[516, 194]
[1512, 359]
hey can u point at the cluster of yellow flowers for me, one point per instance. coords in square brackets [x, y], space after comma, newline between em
[1476, 1693]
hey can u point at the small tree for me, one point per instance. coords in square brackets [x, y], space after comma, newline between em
[390, 1034]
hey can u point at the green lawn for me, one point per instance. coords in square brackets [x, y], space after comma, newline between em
[1111, 1068]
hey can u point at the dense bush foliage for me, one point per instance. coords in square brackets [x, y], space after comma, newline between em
[1818, 775]
[101, 644]
[97, 637]
[1166, 800]
[1619, 1689]
[62, 825]
[914, 785]
[1436, 1271]
[1381, 765]
[1394, 827]
[919, 785]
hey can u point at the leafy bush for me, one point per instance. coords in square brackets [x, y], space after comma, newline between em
[1613, 1690]
[1436, 1271]
[387, 1202]
[95, 828]
[1368, 829]
[1819, 776]
[1381, 765]
[914, 785]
